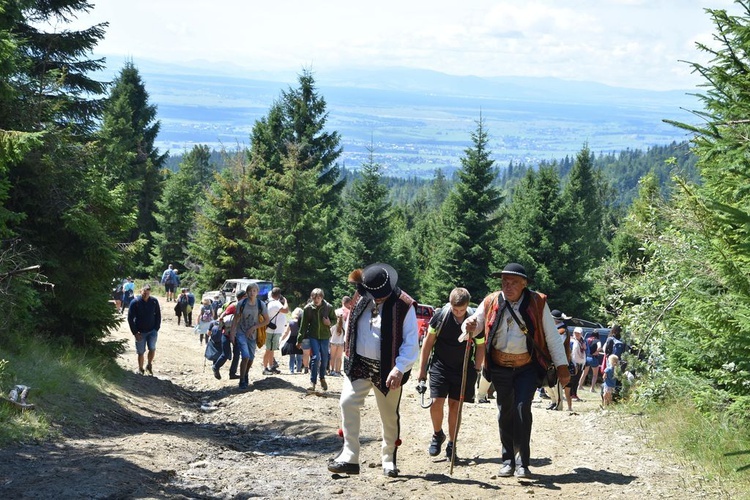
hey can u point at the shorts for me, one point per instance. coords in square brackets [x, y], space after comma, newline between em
[446, 381]
[169, 287]
[272, 341]
[608, 389]
[593, 361]
[246, 346]
[305, 344]
[147, 339]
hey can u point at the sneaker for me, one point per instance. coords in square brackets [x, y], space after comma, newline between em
[449, 450]
[305, 370]
[522, 472]
[389, 472]
[507, 470]
[578, 400]
[275, 371]
[149, 370]
[266, 371]
[552, 406]
[217, 374]
[483, 400]
[311, 388]
[141, 371]
[233, 376]
[437, 442]
[244, 385]
[323, 384]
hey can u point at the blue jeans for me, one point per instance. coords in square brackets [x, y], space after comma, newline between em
[318, 359]
[226, 354]
[295, 362]
[514, 390]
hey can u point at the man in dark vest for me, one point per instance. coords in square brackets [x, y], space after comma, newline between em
[381, 345]
[521, 339]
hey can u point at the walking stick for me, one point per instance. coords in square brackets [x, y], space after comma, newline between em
[461, 401]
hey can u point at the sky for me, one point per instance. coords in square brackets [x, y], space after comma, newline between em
[623, 43]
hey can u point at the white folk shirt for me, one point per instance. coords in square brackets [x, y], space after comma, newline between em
[509, 337]
[368, 337]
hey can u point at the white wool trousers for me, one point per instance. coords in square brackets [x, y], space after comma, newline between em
[353, 396]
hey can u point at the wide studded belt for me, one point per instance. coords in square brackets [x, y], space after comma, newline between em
[509, 360]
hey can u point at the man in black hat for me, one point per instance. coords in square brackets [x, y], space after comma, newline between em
[521, 339]
[381, 345]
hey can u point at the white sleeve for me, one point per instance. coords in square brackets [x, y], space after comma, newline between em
[480, 317]
[409, 350]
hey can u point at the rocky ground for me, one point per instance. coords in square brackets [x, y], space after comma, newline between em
[184, 434]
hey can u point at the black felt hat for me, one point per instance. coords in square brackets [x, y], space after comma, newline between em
[512, 268]
[378, 281]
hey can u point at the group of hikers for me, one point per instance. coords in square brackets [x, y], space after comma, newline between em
[512, 340]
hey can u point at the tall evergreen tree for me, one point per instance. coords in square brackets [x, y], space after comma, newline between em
[295, 221]
[226, 243]
[293, 132]
[363, 238]
[129, 129]
[465, 233]
[176, 210]
[68, 215]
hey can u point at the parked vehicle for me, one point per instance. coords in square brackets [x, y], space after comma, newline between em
[424, 315]
[229, 288]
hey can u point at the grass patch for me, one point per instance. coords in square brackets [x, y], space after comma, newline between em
[715, 443]
[65, 383]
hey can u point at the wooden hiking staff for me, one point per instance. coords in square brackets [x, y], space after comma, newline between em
[461, 401]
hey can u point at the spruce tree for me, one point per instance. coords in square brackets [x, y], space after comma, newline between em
[294, 133]
[176, 211]
[67, 214]
[363, 237]
[227, 242]
[464, 236]
[129, 129]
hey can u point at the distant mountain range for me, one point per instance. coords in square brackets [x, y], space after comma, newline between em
[419, 120]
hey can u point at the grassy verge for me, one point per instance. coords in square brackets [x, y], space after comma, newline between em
[66, 384]
[719, 447]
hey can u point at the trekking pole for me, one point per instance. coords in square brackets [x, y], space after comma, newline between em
[461, 401]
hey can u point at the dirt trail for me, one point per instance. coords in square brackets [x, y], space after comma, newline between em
[184, 434]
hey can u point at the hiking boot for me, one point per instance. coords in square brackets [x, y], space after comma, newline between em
[233, 376]
[507, 470]
[522, 472]
[305, 370]
[217, 374]
[449, 450]
[141, 371]
[243, 384]
[311, 388]
[275, 371]
[323, 384]
[149, 370]
[437, 442]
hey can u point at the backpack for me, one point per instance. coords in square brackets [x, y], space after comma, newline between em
[171, 277]
[618, 347]
[183, 300]
[213, 346]
[206, 315]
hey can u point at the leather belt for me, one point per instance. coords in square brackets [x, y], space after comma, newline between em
[509, 360]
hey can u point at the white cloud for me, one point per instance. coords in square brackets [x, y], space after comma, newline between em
[635, 43]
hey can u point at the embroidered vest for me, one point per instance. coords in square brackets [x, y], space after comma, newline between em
[531, 309]
[391, 333]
